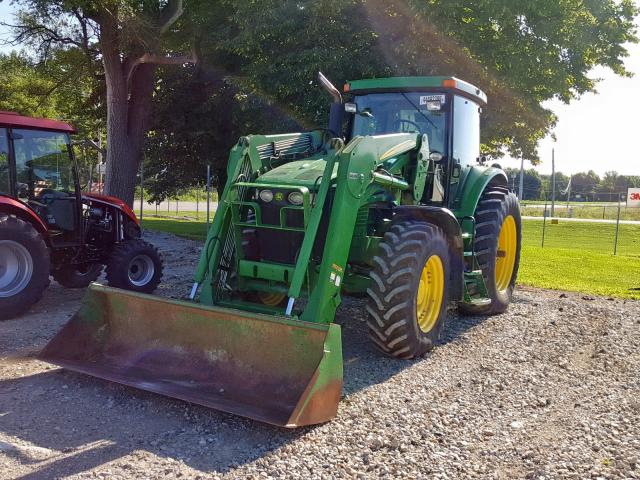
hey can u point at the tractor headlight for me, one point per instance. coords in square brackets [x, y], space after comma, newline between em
[296, 198]
[266, 196]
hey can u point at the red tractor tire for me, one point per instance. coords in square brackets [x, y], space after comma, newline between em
[24, 266]
[135, 265]
[77, 276]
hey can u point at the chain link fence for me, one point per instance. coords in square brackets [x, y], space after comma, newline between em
[608, 228]
[590, 211]
[198, 203]
[608, 237]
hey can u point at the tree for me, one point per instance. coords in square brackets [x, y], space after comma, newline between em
[521, 53]
[584, 184]
[198, 116]
[608, 182]
[128, 37]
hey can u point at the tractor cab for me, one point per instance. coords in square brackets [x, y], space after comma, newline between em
[37, 168]
[438, 107]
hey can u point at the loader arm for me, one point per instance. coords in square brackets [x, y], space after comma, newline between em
[351, 174]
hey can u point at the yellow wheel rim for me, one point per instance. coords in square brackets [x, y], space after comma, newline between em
[506, 257]
[271, 299]
[430, 292]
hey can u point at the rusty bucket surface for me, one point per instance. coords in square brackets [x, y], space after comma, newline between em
[272, 369]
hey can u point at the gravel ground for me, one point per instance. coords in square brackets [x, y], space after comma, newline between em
[550, 389]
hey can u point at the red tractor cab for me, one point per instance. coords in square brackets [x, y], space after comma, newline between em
[49, 227]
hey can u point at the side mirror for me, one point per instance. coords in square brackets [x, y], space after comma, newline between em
[436, 157]
[350, 108]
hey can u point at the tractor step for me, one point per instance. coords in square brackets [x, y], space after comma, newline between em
[475, 290]
[479, 302]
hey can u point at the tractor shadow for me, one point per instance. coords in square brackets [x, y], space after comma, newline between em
[365, 366]
[67, 423]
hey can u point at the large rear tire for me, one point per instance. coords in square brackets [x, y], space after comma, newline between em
[497, 245]
[77, 276]
[24, 266]
[410, 287]
[135, 265]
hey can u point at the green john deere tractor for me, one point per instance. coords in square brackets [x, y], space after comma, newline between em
[392, 201]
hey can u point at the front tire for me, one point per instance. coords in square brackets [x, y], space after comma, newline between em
[497, 245]
[135, 265]
[24, 266]
[77, 276]
[410, 287]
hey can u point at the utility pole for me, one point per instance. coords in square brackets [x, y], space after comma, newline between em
[521, 196]
[553, 182]
[100, 166]
[141, 191]
[208, 194]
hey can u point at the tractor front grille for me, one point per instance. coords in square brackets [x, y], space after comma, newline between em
[275, 245]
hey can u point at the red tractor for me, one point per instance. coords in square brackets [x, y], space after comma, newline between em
[49, 227]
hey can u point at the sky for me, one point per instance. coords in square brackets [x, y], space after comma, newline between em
[599, 132]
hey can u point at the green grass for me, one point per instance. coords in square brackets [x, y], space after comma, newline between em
[580, 271]
[188, 195]
[190, 215]
[596, 237]
[194, 230]
[577, 256]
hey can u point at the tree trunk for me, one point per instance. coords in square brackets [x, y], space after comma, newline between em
[130, 84]
[127, 122]
[129, 98]
[122, 166]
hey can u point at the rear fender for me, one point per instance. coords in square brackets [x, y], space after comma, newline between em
[447, 222]
[474, 186]
[22, 211]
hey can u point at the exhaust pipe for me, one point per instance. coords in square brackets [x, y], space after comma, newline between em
[336, 114]
[330, 88]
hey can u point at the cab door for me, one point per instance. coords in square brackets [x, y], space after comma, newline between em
[5, 164]
[46, 180]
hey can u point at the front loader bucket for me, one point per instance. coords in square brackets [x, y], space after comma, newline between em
[272, 369]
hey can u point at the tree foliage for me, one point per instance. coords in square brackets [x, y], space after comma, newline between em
[268, 53]
[60, 87]
[258, 61]
[520, 53]
[128, 38]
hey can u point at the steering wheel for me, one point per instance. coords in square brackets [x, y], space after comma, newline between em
[47, 195]
[400, 121]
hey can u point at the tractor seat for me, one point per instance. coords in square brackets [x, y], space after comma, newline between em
[58, 210]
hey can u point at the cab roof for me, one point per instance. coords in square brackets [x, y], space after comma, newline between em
[12, 119]
[395, 84]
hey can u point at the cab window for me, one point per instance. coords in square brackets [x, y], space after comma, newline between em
[402, 112]
[42, 163]
[5, 179]
[466, 128]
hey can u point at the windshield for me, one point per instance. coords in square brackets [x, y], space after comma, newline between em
[383, 113]
[43, 162]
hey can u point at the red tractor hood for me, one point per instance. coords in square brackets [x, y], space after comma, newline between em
[113, 201]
